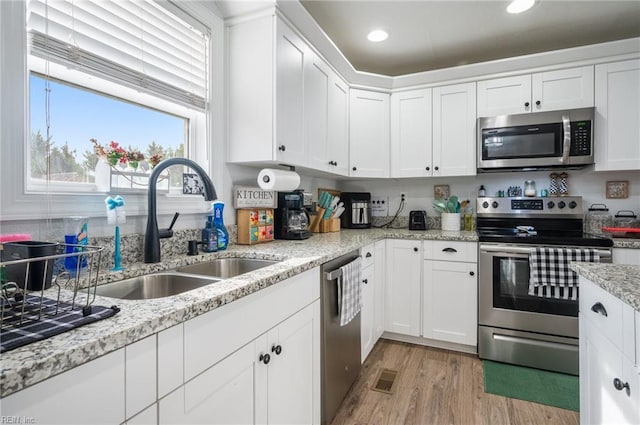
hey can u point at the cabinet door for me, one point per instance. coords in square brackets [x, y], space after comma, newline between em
[450, 299]
[600, 363]
[402, 303]
[626, 256]
[289, 96]
[368, 134]
[338, 131]
[562, 89]
[454, 123]
[502, 96]
[411, 133]
[294, 374]
[316, 101]
[367, 313]
[379, 288]
[222, 394]
[617, 101]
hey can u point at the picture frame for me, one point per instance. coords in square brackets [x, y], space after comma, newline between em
[441, 191]
[191, 184]
[617, 189]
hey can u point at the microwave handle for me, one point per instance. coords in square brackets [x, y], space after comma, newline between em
[566, 142]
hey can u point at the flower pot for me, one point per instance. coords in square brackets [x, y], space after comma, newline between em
[450, 221]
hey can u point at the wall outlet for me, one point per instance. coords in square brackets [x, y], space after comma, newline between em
[379, 206]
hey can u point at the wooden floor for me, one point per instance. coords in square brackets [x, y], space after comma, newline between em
[436, 386]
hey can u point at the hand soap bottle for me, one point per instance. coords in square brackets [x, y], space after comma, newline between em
[209, 236]
[223, 234]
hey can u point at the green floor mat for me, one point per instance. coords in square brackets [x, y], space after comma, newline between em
[539, 386]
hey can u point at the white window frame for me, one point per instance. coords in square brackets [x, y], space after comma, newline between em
[16, 203]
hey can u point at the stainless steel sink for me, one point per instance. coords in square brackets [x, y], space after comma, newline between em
[157, 285]
[225, 268]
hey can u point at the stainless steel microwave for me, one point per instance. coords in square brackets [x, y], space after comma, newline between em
[539, 140]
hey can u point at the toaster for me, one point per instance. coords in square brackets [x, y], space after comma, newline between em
[417, 220]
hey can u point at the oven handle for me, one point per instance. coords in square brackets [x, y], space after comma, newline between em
[603, 253]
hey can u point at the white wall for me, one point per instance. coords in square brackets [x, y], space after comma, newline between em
[419, 191]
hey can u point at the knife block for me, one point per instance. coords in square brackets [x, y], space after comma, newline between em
[320, 225]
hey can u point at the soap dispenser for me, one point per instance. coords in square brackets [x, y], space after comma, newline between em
[209, 236]
[218, 222]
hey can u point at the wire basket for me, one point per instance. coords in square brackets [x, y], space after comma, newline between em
[74, 267]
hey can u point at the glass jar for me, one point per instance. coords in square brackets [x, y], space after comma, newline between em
[530, 188]
[596, 218]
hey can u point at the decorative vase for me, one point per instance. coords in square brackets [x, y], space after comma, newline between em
[103, 176]
[450, 221]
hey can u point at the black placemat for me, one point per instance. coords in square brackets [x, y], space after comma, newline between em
[53, 320]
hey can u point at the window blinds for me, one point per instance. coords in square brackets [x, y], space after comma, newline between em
[135, 43]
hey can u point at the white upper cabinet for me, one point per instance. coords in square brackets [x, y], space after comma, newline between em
[411, 134]
[454, 135]
[618, 116]
[368, 133]
[266, 92]
[543, 91]
[326, 117]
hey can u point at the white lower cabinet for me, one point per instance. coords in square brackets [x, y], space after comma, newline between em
[609, 375]
[368, 312]
[273, 379]
[626, 256]
[372, 313]
[403, 280]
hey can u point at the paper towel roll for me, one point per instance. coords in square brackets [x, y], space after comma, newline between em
[278, 180]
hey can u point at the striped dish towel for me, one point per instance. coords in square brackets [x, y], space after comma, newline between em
[550, 275]
[349, 291]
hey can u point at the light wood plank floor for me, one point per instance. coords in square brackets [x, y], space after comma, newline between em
[436, 386]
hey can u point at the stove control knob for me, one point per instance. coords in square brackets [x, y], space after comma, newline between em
[494, 204]
[551, 204]
[485, 204]
[561, 204]
[573, 204]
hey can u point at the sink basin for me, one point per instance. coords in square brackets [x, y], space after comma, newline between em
[225, 268]
[157, 285]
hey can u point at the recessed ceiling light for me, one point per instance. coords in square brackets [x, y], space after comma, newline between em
[519, 6]
[377, 36]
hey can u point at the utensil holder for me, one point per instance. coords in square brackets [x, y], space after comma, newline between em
[450, 221]
[330, 225]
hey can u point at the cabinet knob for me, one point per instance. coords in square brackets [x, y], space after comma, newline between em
[282, 148]
[365, 281]
[599, 308]
[415, 249]
[335, 163]
[538, 103]
[526, 104]
[436, 168]
[618, 385]
[472, 273]
[265, 358]
[354, 168]
[368, 255]
[427, 168]
[276, 349]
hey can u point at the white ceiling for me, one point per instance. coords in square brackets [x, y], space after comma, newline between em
[428, 34]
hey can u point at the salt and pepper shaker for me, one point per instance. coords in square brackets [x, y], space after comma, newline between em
[553, 184]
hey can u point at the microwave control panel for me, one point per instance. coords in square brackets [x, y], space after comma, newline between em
[580, 138]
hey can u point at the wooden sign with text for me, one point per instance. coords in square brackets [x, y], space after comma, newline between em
[254, 197]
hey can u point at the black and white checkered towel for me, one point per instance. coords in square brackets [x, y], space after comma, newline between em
[349, 291]
[52, 321]
[550, 275]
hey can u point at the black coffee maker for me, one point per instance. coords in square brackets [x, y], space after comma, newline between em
[291, 220]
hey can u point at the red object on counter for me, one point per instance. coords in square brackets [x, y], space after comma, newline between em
[15, 237]
[621, 229]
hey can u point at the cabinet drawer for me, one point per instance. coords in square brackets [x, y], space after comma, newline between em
[451, 251]
[367, 254]
[609, 315]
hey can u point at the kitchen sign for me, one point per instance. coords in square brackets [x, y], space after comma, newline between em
[254, 197]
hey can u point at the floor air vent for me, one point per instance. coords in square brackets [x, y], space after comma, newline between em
[384, 381]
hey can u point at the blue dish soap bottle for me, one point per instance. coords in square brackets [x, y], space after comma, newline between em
[209, 236]
[218, 222]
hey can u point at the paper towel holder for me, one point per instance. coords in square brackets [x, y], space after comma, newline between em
[266, 179]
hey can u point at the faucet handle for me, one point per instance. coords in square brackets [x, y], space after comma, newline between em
[192, 247]
[167, 233]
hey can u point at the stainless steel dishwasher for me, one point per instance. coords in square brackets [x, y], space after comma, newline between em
[340, 344]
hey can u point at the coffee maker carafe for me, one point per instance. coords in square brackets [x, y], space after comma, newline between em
[291, 220]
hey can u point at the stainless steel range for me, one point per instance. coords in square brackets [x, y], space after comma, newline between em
[515, 326]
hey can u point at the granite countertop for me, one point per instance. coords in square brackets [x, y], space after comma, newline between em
[33, 363]
[626, 243]
[620, 280]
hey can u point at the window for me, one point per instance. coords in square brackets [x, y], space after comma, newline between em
[122, 71]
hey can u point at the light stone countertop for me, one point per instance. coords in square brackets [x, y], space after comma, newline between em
[620, 280]
[137, 319]
[626, 243]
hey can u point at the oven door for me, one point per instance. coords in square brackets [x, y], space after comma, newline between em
[504, 300]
